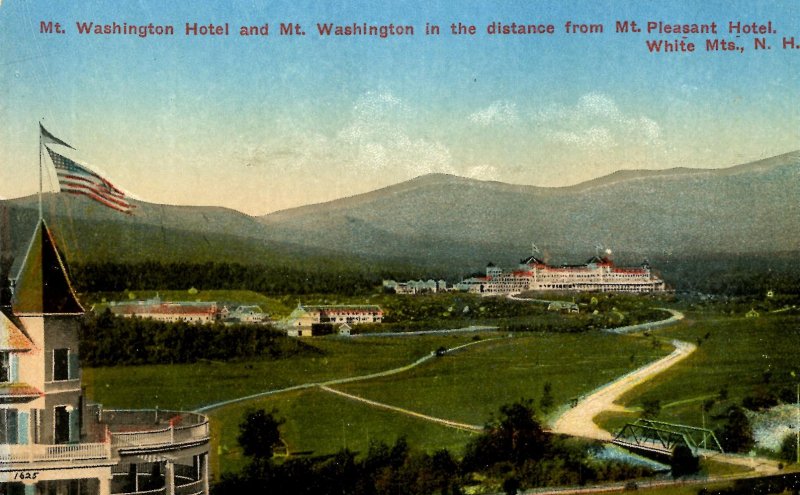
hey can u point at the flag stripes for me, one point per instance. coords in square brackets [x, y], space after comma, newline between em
[77, 179]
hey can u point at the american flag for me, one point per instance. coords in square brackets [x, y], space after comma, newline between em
[77, 179]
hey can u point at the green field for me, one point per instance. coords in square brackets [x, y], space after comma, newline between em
[319, 423]
[470, 385]
[438, 310]
[189, 386]
[467, 386]
[745, 356]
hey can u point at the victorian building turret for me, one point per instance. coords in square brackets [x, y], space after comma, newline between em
[52, 441]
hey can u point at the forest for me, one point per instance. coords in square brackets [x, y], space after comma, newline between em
[108, 340]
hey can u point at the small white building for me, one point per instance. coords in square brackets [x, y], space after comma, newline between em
[251, 314]
[416, 286]
[563, 307]
[301, 321]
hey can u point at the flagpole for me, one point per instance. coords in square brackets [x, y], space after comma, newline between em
[41, 214]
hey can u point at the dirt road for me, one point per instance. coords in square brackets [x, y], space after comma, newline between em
[407, 412]
[337, 381]
[578, 421]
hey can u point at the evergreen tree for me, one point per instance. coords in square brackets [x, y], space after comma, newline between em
[259, 434]
[736, 435]
[683, 462]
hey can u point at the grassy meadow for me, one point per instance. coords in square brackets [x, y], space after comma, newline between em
[737, 357]
[318, 423]
[189, 386]
[467, 386]
[470, 385]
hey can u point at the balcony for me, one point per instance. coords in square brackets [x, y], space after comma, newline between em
[11, 454]
[110, 434]
[153, 430]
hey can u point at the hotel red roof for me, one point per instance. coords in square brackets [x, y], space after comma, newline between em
[165, 309]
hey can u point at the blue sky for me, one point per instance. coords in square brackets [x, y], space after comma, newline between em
[260, 124]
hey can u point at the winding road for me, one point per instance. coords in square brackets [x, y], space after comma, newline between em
[579, 422]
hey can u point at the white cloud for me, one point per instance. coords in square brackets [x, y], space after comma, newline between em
[482, 172]
[598, 137]
[375, 139]
[597, 104]
[499, 112]
[379, 139]
[595, 121]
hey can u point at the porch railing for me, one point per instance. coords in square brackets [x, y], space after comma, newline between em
[61, 452]
[133, 429]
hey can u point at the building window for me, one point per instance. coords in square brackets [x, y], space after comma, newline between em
[5, 367]
[60, 364]
[9, 423]
[61, 424]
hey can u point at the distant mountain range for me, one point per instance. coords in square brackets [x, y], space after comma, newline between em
[447, 221]
[91, 232]
[751, 208]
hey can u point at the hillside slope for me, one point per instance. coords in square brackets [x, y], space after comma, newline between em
[750, 208]
[442, 225]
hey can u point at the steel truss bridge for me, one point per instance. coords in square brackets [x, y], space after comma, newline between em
[662, 438]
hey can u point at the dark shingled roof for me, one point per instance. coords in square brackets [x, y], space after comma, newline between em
[43, 286]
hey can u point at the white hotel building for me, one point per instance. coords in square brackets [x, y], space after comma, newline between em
[52, 442]
[596, 275]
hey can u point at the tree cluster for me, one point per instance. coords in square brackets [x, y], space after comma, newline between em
[108, 340]
[514, 451]
[788, 450]
[450, 306]
[733, 274]
[269, 279]
[683, 462]
[736, 434]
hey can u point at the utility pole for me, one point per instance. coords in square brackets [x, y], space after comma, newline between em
[797, 419]
[703, 413]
